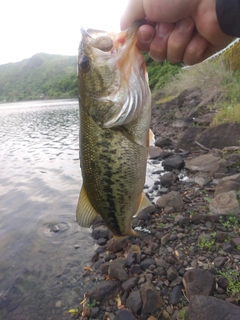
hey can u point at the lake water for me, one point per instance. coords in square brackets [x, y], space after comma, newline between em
[42, 249]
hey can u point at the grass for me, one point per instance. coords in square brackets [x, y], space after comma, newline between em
[229, 112]
[206, 244]
[234, 283]
[160, 225]
[182, 314]
[230, 221]
[219, 86]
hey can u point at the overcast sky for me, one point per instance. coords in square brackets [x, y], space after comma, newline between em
[31, 26]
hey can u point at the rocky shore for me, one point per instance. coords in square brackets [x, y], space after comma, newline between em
[187, 266]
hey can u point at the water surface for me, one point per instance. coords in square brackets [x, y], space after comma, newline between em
[42, 249]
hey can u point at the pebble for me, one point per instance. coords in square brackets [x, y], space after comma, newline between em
[164, 259]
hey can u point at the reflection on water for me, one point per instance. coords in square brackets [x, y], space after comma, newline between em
[42, 249]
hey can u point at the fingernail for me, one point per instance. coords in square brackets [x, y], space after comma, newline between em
[163, 29]
[184, 24]
[145, 36]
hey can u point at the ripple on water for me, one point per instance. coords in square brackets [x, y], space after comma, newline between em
[56, 229]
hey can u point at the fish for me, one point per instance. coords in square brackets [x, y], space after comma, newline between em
[115, 115]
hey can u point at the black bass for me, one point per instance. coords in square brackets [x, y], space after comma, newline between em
[115, 112]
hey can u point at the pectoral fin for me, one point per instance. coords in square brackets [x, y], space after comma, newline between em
[151, 138]
[85, 214]
[150, 141]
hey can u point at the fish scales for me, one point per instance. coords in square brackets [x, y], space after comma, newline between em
[113, 159]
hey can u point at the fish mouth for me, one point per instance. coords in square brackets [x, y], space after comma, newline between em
[106, 41]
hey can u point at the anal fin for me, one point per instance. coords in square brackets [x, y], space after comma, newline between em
[85, 213]
[145, 202]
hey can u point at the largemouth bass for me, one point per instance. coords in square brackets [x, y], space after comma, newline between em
[115, 112]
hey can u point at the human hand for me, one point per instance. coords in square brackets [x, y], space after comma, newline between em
[186, 30]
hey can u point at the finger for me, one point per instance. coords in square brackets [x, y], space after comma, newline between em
[145, 35]
[179, 39]
[134, 11]
[197, 50]
[162, 11]
[158, 47]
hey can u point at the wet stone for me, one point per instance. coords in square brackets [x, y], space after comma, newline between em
[175, 295]
[210, 308]
[197, 281]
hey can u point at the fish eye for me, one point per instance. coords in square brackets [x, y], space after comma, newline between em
[84, 63]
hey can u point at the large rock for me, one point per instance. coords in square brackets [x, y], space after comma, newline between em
[172, 199]
[134, 302]
[151, 299]
[104, 290]
[225, 186]
[234, 177]
[198, 282]
[234, 157]
[206, 163]
[225, 203]
[186, 140]
[210, 308]
[223, 135]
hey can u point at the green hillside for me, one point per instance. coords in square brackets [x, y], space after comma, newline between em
[51, 76]
[41, 76]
